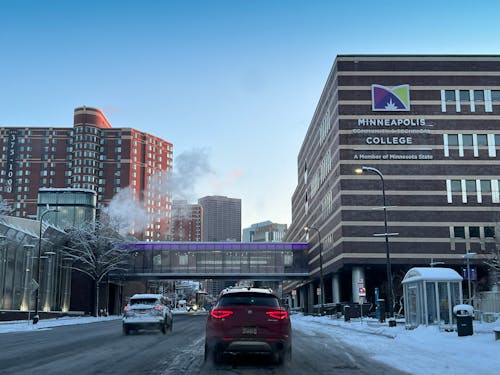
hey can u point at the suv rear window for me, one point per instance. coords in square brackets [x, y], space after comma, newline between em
[143, 301]
[249, 299]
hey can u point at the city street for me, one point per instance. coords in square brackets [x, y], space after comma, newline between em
[101, 348]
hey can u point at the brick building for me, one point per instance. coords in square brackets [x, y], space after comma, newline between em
[430, 125]
[89, 155]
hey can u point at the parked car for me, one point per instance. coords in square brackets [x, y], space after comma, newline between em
[248, 320]
[147, 311]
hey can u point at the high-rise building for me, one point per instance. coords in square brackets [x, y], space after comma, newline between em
[265, 231]
[426, 130]
[221, 218]
[89, 155]
[186, 224]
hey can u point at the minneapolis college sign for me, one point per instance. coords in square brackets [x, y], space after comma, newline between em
[392, 139]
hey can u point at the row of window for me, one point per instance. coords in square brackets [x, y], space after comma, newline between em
[324, 127]
[474, 142]
[321, 173]
[472, 98]
[474, 232]
[479, 188]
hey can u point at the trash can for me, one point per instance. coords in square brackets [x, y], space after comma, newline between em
[381, 310]
[347, 314]
[464, 315]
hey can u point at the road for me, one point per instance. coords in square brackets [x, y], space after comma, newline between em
[101, 348]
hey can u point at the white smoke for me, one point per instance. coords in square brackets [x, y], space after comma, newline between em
[189, 168]
[126, 213]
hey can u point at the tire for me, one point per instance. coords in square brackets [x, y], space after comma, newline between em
[164, 328]
[171, 326]
[207, 353]
[278, 358]
[218, 355]
[126, 331]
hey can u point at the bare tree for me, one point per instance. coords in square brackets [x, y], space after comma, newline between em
[95, 250]
[5, 207]
[493, 261]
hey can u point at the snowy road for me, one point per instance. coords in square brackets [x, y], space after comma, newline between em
[100, 348]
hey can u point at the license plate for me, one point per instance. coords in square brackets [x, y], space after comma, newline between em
[249, 330]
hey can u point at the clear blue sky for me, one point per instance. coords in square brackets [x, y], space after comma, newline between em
[237, 80]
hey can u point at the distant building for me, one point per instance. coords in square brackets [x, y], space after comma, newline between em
[221, 218]
[88, 155]
[265, 231]
[186, 224]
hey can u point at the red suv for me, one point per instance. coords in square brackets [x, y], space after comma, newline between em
[248, 320]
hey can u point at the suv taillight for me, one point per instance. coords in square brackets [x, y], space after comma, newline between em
[126, 308]
[158, 307]
[277, 314]
[220, 314]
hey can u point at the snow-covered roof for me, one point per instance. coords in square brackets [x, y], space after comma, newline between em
[431, 274]
[146, 295]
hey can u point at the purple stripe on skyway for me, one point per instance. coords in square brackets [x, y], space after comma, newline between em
[216, 246]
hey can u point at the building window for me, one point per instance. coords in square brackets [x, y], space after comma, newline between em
[453, 139]
[467, 140]
[482, 140]
[456, 186]
[470, 186]
[449, 95]
[464, 96]
[474, 232]
[459, 232]
[489, 232]
[485, 186]
[479, 95]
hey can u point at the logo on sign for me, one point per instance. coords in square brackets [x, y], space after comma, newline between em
[391, 99]
[362, 292]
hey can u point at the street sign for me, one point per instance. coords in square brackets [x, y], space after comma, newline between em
[318, 291]
[362, 292]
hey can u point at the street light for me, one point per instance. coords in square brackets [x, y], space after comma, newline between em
[386, 235]
[37, 296]
[467, 258]
[321, 285]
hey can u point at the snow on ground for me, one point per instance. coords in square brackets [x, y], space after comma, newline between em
[25, 325]
[424, 350]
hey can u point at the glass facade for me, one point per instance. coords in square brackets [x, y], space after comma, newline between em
[218, 260]
[76, 206]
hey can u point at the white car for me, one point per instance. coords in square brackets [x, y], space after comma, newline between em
[147, 311]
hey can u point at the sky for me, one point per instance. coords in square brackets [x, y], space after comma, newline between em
[235, 82]
[421, 351]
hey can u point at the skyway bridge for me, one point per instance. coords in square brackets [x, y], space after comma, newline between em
[216, 260]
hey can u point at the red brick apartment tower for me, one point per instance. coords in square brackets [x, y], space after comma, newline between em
[89, 155]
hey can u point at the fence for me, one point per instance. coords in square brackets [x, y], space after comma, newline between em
[487, 306]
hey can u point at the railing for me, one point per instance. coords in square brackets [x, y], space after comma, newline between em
[487, 306]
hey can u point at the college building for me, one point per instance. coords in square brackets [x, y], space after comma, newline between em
[426, 130]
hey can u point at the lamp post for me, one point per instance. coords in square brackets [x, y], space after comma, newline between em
[467, 258]
[386, 235]
[37, 295]
[321, 285]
